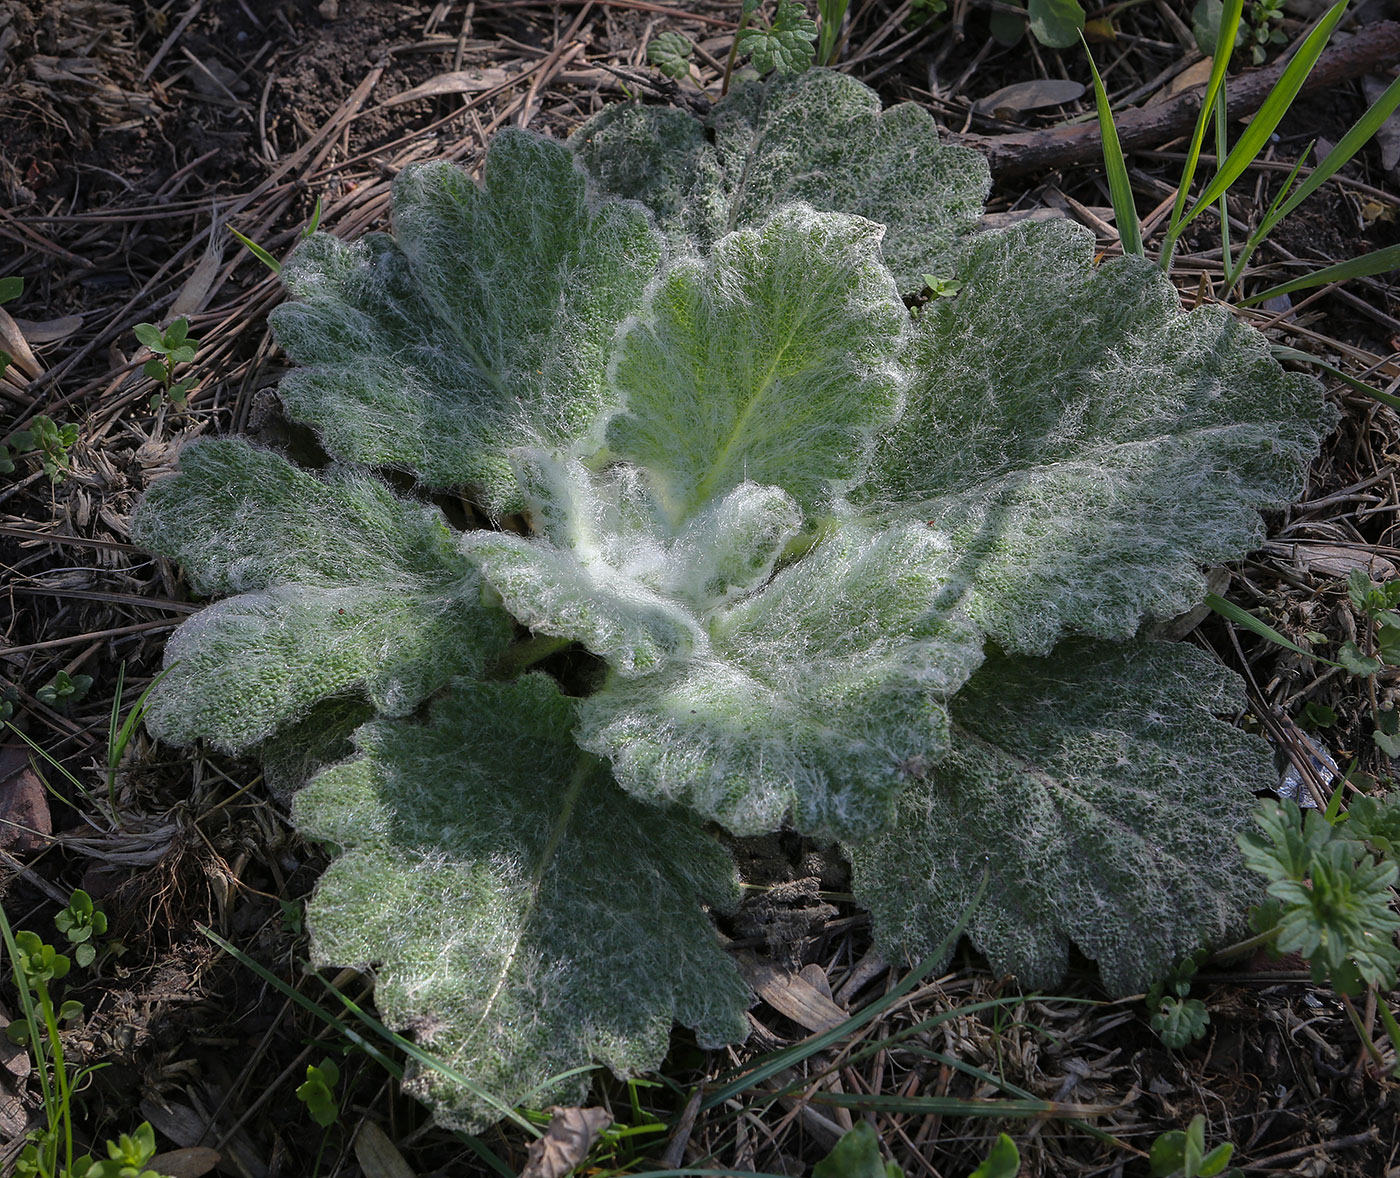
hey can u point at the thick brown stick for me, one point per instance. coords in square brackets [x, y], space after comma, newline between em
[1374, 47]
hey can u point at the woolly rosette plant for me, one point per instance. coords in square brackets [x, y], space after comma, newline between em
[755, 548]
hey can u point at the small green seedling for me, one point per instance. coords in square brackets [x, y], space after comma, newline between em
[1177, 1019]
[1332, 894]
[64, 689]
[126, 1157]
[172, 346]
[49, 439]
[1265, 16]
[81, 922]
[317, 1092]
[782, 45]
[670, 53]
[941, 288]
[1182, 1154]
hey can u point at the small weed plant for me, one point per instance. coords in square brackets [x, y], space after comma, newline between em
[45, 438]
[39, 972]
[169, 349]
[64, 690]
[752, 546]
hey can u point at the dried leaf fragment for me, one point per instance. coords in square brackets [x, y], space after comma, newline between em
[566, 1142]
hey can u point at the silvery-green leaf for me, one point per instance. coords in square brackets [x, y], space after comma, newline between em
[298, 751]
[1086, 444]
[523, 916]
[813, 699]
[239, 518]
[770, 361]
[341, 588]
[607, 568]
[485, 323]
[817, 137]
[1103, 795]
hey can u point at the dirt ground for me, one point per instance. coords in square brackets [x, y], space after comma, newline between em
[133, 136]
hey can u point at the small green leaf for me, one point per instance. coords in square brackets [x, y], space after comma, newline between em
[1179, 1021]
[317, 1092]
[151, 336]
[670, 53]
[856, 1155]
[1003, 1161]
[1355, 661]
[1315, 715]
[11, 288]
[1056, 23]
[154, 368]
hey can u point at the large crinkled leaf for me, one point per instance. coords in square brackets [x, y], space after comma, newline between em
[239, 518]
[1086, 444]
[771, 361]
[607, 569]
[813, 699]
[818, 137]
[342, 588]
[1102, 794]
[486, 322]
[523, 916]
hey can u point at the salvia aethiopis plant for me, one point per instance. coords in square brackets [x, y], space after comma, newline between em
[821, 563]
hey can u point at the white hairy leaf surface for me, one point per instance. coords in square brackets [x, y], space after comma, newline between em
[341, 587]
[788, 520]
[608, 569]
[486, 322]
[809, 698]
[818, 137]
[1102, 794]
[523, 916]
[1087, 446]
[771, 361]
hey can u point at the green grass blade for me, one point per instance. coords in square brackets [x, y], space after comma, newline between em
[1003, 1085]
[31, 1016]
[1262, 125]
[832, 13]
[1228, 609]
[409, 1048]
[1376, 262]
[1256, 238]
[1220, 61]
[1119, 188]
[1222, 147]
[258, 252]
[946, 1106]
[1353, 141]
[772, 1064]
[1282, 353]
